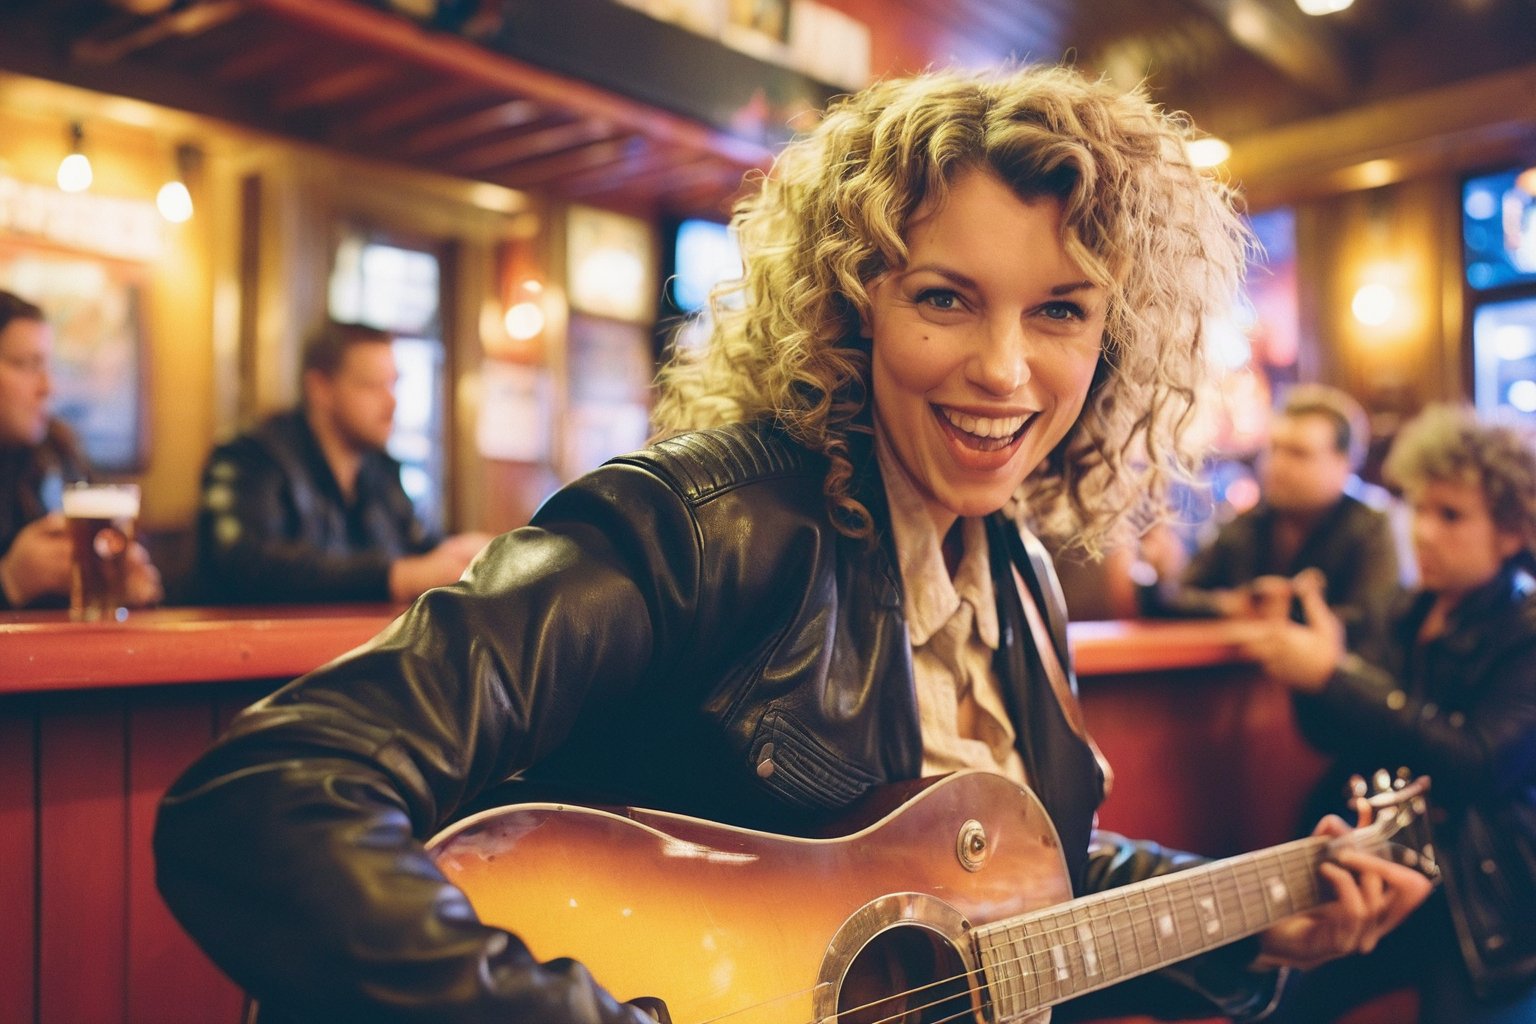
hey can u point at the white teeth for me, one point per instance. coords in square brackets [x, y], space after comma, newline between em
[985, 426]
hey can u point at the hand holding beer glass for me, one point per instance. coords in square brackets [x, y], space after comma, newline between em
[110, 571]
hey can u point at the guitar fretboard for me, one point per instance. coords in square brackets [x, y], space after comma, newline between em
[1042, 958]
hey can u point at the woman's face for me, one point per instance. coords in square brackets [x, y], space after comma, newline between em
[25, 383]
[1458, 546]
[984, 345]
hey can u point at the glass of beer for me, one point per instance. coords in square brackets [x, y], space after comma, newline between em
[101, 520]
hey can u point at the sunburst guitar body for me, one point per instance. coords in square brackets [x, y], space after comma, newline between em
[951, 905]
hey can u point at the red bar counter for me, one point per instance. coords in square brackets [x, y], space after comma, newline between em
[96, 721]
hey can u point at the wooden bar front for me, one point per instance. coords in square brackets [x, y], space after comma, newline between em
[96, 721]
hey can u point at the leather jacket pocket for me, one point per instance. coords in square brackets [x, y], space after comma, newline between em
[800, 769]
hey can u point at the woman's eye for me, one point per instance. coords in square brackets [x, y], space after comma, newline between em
[1062, 311]
[938, 298]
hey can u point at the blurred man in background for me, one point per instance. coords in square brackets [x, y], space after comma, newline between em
[1306, 520]
[308, 507]
[38, 456]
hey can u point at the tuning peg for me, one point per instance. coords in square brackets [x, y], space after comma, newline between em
[1382, 780]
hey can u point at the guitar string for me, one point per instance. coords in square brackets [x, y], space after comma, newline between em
[1296, 860]
[1231, 880]
[1180, 898]
[1185, 900]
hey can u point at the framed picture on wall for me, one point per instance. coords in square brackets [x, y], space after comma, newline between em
[96, 309]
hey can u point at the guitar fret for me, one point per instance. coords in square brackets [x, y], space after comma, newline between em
[1055, 953]
[1004, 973]
[1040, 961]
[1137, 933]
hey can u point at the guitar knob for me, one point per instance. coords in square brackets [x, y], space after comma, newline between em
[971, 845]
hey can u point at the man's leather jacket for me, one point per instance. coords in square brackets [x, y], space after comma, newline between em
[682, 628]
[274, 526]
[1461, 709]
[1351, 544]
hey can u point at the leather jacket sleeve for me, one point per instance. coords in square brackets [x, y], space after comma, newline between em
[1364, 708]
[247, 549]
[292, 851]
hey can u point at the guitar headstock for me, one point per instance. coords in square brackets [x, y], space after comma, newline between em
[1399, 825]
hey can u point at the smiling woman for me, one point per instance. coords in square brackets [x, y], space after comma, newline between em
[988, 342]
[1152, 239]
[969, 301]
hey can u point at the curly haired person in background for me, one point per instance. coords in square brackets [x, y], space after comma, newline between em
[1451, 695]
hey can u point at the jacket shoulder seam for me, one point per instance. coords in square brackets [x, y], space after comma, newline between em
[705, 463]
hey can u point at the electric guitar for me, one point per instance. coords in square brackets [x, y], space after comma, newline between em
[953, 906]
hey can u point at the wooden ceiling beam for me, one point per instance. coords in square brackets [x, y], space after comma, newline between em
[265, 57]
[336, 86]
[418, 105]
[495, 157]
[650, 160]
[448, 132]
[1453, 128]
[102, 47]
[548, 169]
[1290, 42]
[393, 35]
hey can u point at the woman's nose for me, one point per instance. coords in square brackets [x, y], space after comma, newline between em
[1000, 364]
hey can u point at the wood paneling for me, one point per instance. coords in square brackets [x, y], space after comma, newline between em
[84, 937]
[18, 863]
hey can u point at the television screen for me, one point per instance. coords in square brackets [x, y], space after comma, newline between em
[1504, 357]
[704, 254]
[1499, 228]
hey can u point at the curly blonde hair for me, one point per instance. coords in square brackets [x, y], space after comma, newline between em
[1450, 444]
[1164, 239]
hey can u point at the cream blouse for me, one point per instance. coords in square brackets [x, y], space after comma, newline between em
[952, 625]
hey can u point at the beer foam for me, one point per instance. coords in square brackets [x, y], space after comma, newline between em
[101, 502]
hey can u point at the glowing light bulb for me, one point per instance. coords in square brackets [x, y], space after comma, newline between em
[1374, 304]
[75, 173]
[1321, 7]
[174, 202]
[1207, 152]
[524, 321]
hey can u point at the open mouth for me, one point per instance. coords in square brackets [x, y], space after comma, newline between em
[983, 433]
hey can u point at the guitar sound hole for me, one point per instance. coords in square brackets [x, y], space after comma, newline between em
[906, 975]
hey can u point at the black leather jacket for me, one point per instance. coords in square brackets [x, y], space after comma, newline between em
[681, 628]
[1352, 544]
[273, 525]
[1462, 709]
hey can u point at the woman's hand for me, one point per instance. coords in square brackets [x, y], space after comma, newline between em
[1372, 895]
[1302, 656]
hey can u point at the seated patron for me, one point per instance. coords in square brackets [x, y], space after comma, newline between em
[1452, 694]
[1305, 520]
[38, 457]
[309, 507]
[963, 295]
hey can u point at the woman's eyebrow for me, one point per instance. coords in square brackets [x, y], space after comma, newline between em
[958, 278]
[965, 281]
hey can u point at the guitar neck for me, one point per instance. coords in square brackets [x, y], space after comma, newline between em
[1047, 956]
